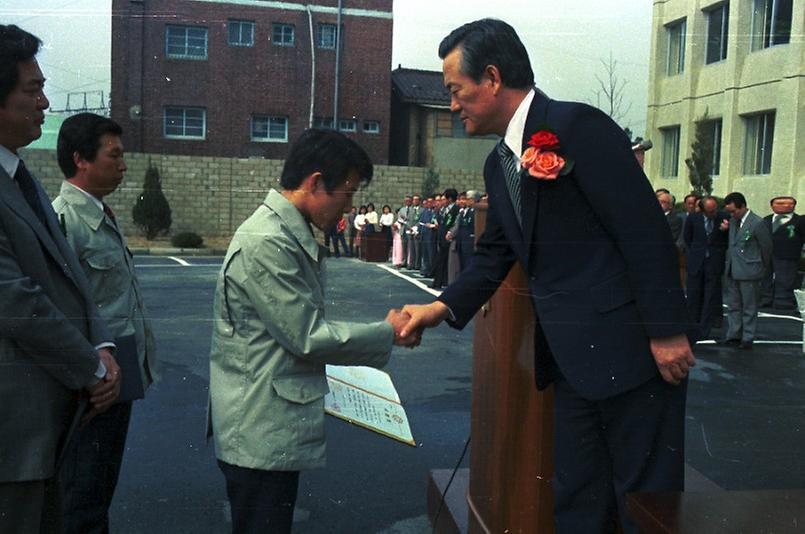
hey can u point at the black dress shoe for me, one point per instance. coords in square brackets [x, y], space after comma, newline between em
[730, 342]
[745, 345]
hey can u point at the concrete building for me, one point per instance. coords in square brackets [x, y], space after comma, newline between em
[240, 78]
[425, 133]
[738, 68]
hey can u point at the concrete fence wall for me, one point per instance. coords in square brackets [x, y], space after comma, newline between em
[212, 196]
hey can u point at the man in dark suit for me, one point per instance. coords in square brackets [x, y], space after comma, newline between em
[666, 201]
[465, 238]
[448, 219]
[705, 244]
[585, 225]
[53, 345]
[787, 231]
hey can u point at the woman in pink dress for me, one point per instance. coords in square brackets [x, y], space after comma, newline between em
[396, 247]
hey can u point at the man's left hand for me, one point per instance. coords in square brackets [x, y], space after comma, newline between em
[673, 356]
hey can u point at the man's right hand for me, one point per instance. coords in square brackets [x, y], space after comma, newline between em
[105, 392]
[424, 316]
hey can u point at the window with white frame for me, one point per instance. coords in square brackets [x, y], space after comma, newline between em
[717, 31]
[323, 122]
[326, 36]
[282, 34]
[771, 23]
[347, 125]
[186, 42]
[184, 122]
[241, 33]
[675, 61]
[371, 127]
[712, 139]
[758, 143]
[270, 128]
[670, 152]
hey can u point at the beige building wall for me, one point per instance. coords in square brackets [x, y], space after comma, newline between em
[746, 82]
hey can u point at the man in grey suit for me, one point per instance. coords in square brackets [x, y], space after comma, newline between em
[748, 258]
[53, 345]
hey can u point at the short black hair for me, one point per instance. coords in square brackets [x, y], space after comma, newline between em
[784, 197]
[331, 153]
[82, 133]
[736, 198]
[691, 195]
[490, 42]
[451, 193]
[16, 46]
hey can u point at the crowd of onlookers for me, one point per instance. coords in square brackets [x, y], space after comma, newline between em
[733, 256]
[434, 236]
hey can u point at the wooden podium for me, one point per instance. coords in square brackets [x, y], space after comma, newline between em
[511, 460]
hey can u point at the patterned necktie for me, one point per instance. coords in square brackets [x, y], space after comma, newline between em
[511, 169]
[708, 226]
[29, 191]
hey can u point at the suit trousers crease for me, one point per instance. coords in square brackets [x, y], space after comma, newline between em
[741, 297]
[596, 447]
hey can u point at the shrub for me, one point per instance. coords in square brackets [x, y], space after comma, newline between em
[151, 212]
[187, 240]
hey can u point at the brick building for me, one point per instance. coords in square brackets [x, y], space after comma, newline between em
[238, 78]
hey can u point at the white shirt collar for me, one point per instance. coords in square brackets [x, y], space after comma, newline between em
[9, 161]
[743, 219]
[92, 198]
[516, 127]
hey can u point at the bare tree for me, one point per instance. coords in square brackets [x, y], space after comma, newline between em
[609, 96]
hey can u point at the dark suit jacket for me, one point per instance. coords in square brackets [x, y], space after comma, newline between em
[788, 239]
[602, 268]
[703, 252]
[49, 327]
[675, 224]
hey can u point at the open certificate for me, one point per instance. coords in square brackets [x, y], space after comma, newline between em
[366, 397]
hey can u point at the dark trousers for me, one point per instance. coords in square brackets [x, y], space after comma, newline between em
[426, 255]
[604, 449]
[339, 238]
[30, 507]
[261, 501]
[352, 234]
[704, 300]
[440, 264]
[91, 468]
[778, 288]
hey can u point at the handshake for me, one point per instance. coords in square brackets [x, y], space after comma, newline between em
[410, 322]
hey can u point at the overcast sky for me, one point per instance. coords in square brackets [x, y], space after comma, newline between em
[566, 41]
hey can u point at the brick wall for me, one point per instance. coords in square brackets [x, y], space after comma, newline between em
[236, 82]
[212, 196]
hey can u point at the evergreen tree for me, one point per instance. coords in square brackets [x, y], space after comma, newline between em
[700, 162]
[151, 212]
[430, 185]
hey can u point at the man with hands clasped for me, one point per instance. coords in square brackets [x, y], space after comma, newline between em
[53, 344]
[272, 337]
[569, 202]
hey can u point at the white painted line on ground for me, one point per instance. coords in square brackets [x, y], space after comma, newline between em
[413, 281]
[756, 342]
[775, 316]
[180, 261]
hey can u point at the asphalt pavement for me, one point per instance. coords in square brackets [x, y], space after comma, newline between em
[744, 426]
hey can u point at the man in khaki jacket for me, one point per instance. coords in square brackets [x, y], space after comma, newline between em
[272, 340]
[90, 154]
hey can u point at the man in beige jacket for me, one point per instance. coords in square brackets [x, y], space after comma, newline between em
[271, 338]
[90, 154]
